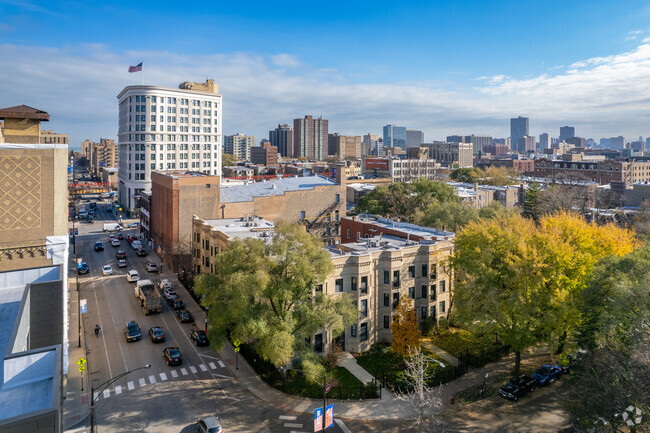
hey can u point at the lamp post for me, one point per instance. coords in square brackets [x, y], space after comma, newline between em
[101, 388]
[423, 358]
[324, 385]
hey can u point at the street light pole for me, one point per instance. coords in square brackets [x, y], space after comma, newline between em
[101, 388]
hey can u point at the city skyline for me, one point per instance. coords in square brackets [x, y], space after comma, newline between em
[589, 75]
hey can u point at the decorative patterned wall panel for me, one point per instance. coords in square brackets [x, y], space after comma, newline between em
[20, 193]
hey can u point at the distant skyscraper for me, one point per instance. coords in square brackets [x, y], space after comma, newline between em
[526, 144]
[567, 132]
[478, 142]
[576, 141]
[395, 136]
[544, 141]
[647, 143]
[455, 139]
[518, 129]
[310, 138]
[617, 142]
[282, 138]
[239, 145]
[414, 138]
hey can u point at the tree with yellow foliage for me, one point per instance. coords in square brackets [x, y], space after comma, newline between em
[406, 334]
[522, 280]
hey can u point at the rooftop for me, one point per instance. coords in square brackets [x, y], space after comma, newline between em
[23, 112]
[374, 244]
[243, 228]
[427, 233]
[267, 188]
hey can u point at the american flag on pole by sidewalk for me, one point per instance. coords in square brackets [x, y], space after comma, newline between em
[136, 68]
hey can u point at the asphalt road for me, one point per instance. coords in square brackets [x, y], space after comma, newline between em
[161, 398]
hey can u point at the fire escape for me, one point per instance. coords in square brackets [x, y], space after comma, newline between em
[325, 225]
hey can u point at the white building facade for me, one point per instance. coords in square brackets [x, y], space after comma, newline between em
[164, 128]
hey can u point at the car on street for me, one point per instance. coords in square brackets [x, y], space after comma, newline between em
[547, 373]
[172, 355]
[517, 387]
[168, 293]
[121, 254]
[132, 331]
[120, 236]
[210, 424]
[111, 237]
[99, 246]
[109, 209]
[121, 263]
[175, 303]
[135, 224]
[151, 267]
[184, 316]
[157, 334]
[132, 276]
[115, 242]
[164, 284]
[199, 338]
[141, 252]
[82, 268]
[107, 270]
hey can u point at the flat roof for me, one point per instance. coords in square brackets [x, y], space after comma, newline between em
[268, 188]
[243, 228]
[374, 244]
[428, 233]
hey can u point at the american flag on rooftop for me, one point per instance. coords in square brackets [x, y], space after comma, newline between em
[136, 68]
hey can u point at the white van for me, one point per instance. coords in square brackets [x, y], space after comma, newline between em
[112, 227]
[136, 244]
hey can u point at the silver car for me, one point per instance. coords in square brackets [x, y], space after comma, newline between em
[210, 424]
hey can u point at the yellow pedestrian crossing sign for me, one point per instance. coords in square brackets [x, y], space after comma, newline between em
[81, 363]
[236, 343]
[81, 369]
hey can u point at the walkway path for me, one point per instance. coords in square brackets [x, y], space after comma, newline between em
[440, 353]
[349, 363]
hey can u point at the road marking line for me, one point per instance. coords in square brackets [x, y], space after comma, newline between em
[193, 369]
[163, 376]
[288, 417]
[107, 393]
[221, 364]
[142, 381]
[293, 431]
[207, 356]
[131, 386]
[342, 426]
[183, 372]
[118, 390]
[95, 396]
[203, 367]
[212, 366]
[152, 379]
[174, 374]
[221, 375]
[292, 425]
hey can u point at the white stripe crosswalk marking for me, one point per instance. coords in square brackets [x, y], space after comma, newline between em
[163, 376]
[203, 367]
[342, 426]
[118, 390]
[174, 374]
[130, 385]
[292, 425]
[142, 381]
[152, 379]
[288, 417]
[212, 366]
[107, 393]
[95, 396]
[221, 364]
[183, 372]
[193, 369]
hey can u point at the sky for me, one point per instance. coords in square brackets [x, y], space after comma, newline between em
[443, 67]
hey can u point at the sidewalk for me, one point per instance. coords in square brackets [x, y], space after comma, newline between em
[76, 403]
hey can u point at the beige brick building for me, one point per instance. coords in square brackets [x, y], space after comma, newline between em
[100, 155]
[49, 136]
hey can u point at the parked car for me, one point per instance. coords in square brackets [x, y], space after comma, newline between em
[157, 334]
[132, 331]
[517, 387]
[175, 303]
[169, 293]
[141, 252]
[547, 373]
[210, 424]
[132, 276]
[121, 254]
[164, 284]
[99, 246]
[115, 242]
[82, 268]
[184, 316]
[107, 270]
[172, 355]
[200, 338]
[151, 267]
[121, 263]
[135, 224]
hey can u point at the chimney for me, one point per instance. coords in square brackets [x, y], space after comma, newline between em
[340, 173]
[475, 186]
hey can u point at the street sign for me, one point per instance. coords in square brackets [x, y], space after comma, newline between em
[83, 308]
[318, 419]
[236, 349]
[81, 362]
[327, 388]
[81, 369]
[236, 343]
[329, 416]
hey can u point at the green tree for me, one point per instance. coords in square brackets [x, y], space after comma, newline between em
[228, 160]
[522, 279]
[406, 334]
[494, 210]
[263, 294]
[450, 215]
[466, 174]
[499, 176]
[531, 208]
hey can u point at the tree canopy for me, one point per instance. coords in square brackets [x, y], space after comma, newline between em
[263, 294]
[522, 279]
[487, 176]
[228, 160]
[406, 334]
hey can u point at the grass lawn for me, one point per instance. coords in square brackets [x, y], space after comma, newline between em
[343, 385]
[456, 341]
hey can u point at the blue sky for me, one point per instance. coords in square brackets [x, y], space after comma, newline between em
[445, 67]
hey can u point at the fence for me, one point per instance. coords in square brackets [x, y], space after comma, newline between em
[477, 360]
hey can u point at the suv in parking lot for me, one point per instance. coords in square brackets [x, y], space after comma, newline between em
[132, 331]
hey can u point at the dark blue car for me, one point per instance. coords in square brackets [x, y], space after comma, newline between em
[547, 373]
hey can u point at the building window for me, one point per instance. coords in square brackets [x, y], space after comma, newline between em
[302, 214]
[424, 291]
[353, 283]
[337, 198]
[363, 332]
[364, 285]
[339, 285]
[386, 277]
[386, 322]
[433, 312]
[386, 300]
[441, 307]
[395, 278]
[423, 313]
[442, 286]
[434, 272]
[424, 270]
[319, 288]
[353, 330]
[411, 271]
[364, 308]
[395, 300]
[412, 292]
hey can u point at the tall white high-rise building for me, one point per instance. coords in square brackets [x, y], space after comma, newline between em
[163, 128]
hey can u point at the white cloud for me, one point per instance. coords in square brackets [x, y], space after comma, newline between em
[78, 85]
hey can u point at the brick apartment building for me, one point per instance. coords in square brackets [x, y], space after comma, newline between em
[601, 172]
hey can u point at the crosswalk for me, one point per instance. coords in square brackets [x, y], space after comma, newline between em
[291, 422]
[162, 377]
